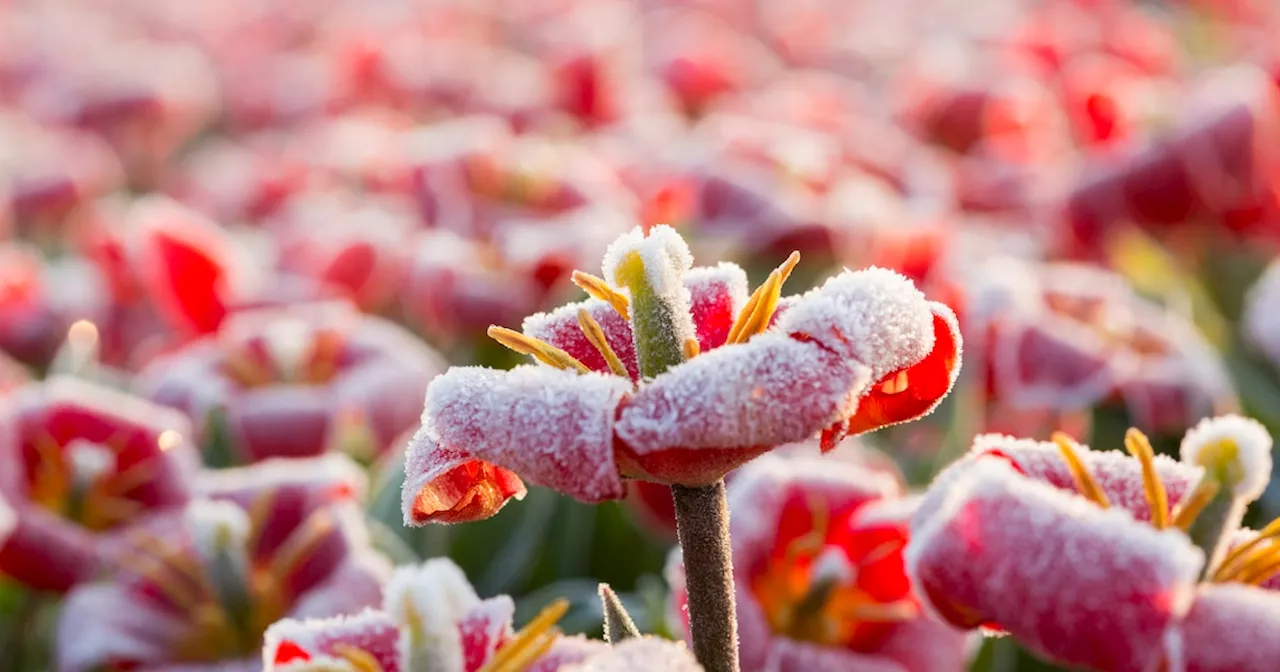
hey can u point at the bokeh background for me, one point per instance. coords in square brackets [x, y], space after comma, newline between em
[1091, 184]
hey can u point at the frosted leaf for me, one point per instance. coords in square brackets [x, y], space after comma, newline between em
[1230, 627]
[1261, 320]
[560, 328]
[1077, 583]
[873, 316]
[451, 486]
[295, 645]
[717, 293]
[764, 393]
[428, 601]
[553, 427]
[1241, 447]
[665, 255]
[640, 654]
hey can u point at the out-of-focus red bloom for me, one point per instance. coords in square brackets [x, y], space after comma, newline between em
[30, 328]
[1087, 557]
[298, 381]
[1067, 337]
[817, 551]
[700, 57]
[863, 351]
[199, 588]
[80, 465]
[432, 616]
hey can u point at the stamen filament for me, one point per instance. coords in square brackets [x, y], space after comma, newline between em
[884, 612]
[1225, 569]
[756, 315]
[692, 348]
[595, 335]
[1266, 566]
[301, 543]
[542, 351]
[537, 637]
[1085, 482]
[1191, 507]
[1157, 497]
[598, 288]
[361, 660]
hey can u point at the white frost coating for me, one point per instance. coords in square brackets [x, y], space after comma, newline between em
[1261, 319]
[288, 341]
[1252, 459]
[217, 528]
[553, 427]
[8, 520]
[769, 391]
[874, 316]
[316, 636]
[665, 255]
[432, 596]
[641, 654]
[727, 274]
[89, 461]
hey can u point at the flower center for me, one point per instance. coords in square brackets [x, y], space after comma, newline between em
[1113, 322]
[82, 481]
[830, 591]
[287, 351]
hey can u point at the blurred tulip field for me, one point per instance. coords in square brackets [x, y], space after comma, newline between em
[242, 241]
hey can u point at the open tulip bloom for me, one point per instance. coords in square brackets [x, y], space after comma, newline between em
[673, 374]
[1107, 562]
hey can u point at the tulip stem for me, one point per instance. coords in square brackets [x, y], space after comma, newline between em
[702, 520]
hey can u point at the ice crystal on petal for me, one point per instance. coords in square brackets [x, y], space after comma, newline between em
[874, 316]
[1240, 446]
[553, 427]
[295, 645]
[665, 255]
[770, 391]
[1081, 584]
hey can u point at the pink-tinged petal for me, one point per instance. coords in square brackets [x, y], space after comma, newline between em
[292, 421]
[567, 651]
[1230, 628]
[560, 328]
[351, 586]
[385, 395]
[45, 552]
[291, 642]
[449, 486]
[642, 654]
[483, 629]
[927, 645]
[1119, 474]
[553, 427]
[926, 382]
[875, 317]
[107, 624]
[183, 261]
[325, 479]
[787, 655]
[705, 417]
[716, 295]
[1076, 583]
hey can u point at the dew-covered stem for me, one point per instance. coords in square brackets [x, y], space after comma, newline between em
[702, 519]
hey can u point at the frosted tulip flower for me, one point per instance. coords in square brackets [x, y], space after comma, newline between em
[80, 464]
[1103, 561]
[432, 619]
[297, 381]
[863, 351]
[817, 549]
[198, 590]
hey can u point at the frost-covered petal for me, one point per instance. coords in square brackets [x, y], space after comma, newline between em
[701, 419]
[290, 644]
[435, 596]
[560, 328]
[329, 477]
[915, 391]
[716, 294]
[874, 316]
[566, 651]
[641, 654]
[1074, 582]
[1237, 449]
[553, 427]
[1231, 627]
[484, 628]
[450, 486]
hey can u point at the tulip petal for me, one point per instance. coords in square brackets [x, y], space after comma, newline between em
[1074, 582]
[183, 261]
[291, 642]
[703, 418]
[560, 328]
[107, 624]
[484, 628]
[716, 293]
[449, 486]
[640, 654]
[553, 427]
[1230, 627]
[568, 651]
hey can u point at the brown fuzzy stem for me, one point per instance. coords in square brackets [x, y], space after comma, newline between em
[702, 519]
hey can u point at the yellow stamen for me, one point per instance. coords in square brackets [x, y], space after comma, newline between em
[756, 315]
[130, 479]
[52, 480]
[896, 384]
[160, 574]
[361, 660]
[1234, 559]
[884, 612]
[541, 350]
[691, 348]
[1085, 482]
[302, 543]
[1157, 498]
[170, 555]
[535, 638]
[1265, 567]
[599, 288]
[595, 334]
[104, 512]
[1190, 507]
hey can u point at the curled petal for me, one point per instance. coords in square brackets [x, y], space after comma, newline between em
[1079, 584]
[449, 486]
[291, 643]
[703, 418]
[915, 391]
[1230, 627]
[553, 427]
